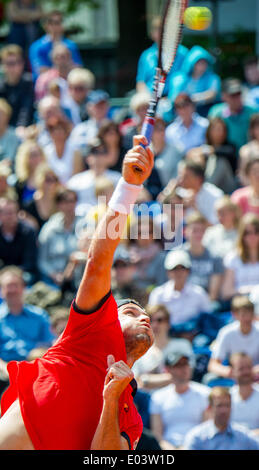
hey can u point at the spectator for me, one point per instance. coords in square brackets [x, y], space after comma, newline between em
[23, 326]
[150, 371]
[148, 60]
[6, 190]
[24, 17]
[9, 141]
[184, 300]
[217, 138]
[188, 130]
[197, 79]
[84, 183]
[42, 206]
[200, 195]
[58, 239]
[29, 156]
[242, 265]
[222, 237]
[245, 394]
[97, 109]
[247, 198]
[207, 269]
[234, 112]
[167, 155]
[64, 160]
[219, 433]
[40, 50]
[50, 114]
[18, 245]
[16, 87]
[62, 65]
[171, 218]
[109, 133]
[251, 84]
[138, 106]
[80, 83]
[178, 407]
[250, 150]
[58, 318]
[240, 335]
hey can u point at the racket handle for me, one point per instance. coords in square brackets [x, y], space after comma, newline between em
[147, 129]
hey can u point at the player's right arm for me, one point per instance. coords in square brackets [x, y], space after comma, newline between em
[96, 281]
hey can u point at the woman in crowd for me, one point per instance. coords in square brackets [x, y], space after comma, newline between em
[250, 150]
[242, 265]
[62, 157]
[221, 238]
[217, 138]
[9, 142]
[109, 133]
[6, 190]
[43, 205]
[247, 198]
[30, 154]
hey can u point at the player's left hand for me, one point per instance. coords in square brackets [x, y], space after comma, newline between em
[138, 162]
[119, 375]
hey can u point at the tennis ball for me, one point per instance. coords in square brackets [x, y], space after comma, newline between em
[197, 18]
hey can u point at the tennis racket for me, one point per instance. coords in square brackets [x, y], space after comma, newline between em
[170, 37]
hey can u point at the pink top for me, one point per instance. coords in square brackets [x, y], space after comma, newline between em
[241, 197]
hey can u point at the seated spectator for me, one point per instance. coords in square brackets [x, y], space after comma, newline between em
[219, 432]
[148, 60]
[221, 238]
[167, 155]
[240, 335]
[138, 106]
[58, 239]
[50, 113]
[58, 319]
[242, 264]
[217, 138]
[188, 130]
[178, 407]
[80, 83]
[62, 65]
[23, 326]
[245, 394]
[16, 87]
[251, 81]
[84, 183]
[249, 151]
[184, 300]
[40, 50]
[109, 133]
[234, 112]
[6, 190]
[9, 141]
[42, 206]
[29, 156]
[24, 18]
[247, 198]
[198, 80]
[206, 269]
[171, 218]
[197, 194]
[104, 188]
[150, 370]
[18, 244]
[145, 249]
[97, 109]
[64, 160]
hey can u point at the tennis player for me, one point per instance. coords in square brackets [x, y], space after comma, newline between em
[79, 395]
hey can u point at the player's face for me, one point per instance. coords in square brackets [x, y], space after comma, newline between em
[136, 328]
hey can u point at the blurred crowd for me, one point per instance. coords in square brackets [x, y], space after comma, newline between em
[190, 252]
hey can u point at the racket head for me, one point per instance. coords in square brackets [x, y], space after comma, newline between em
[171, 33]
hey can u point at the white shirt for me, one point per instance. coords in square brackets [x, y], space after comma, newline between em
[186, 138]
[205, 201]
[84, 185]
[219, 240]
[246, 274]
[63, 167]
[245, 412]
[230, 340]
[182, 305]
[179, 412]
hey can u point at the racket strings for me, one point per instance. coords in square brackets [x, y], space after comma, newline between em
[172, 32]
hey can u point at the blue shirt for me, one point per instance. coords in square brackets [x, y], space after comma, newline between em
[148, 62]
[206, 436]
[19, 334]
[40, 53]
[186, 138]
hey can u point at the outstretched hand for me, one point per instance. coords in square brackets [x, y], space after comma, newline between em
[138, 162]
[119, 375]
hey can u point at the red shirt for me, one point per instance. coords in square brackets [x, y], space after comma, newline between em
[60, 394]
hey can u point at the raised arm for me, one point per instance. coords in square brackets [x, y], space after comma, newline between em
[96, 281]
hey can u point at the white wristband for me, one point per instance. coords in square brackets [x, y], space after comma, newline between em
[124, 196]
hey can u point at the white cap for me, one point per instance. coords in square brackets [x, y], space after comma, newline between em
[177, 258]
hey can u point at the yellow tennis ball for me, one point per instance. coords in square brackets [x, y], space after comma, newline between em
[197, 18]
